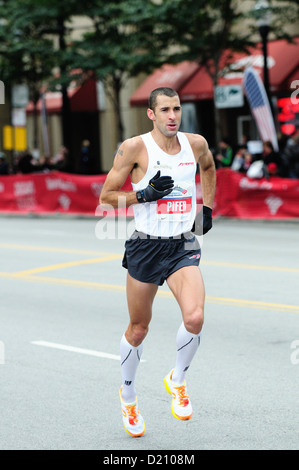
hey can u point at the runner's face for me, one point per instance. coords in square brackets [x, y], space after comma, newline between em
[167, 115]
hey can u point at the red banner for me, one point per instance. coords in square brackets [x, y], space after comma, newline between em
[50, 192]
[246, 198]
[236, 195]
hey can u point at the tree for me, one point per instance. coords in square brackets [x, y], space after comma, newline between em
[53, 15]
[208, 32]
[27, 49]
[124, 42]
[25, 55]
[203, 32]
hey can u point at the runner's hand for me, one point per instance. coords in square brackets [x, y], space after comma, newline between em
[203, 221]
[207, 219]
[158, 187]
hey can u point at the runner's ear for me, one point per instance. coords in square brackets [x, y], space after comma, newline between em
[151, 114]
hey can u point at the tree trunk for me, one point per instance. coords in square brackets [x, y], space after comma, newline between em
[35, 125]
[217, 120]
[66, 107]
[117, 106]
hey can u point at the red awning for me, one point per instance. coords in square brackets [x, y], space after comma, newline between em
[193, 82]
[173, 76]
[82, 98]
[283, 60]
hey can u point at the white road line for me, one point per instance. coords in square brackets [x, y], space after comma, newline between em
[88, 352]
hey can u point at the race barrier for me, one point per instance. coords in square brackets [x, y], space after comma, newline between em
[245, 198]
[63, 193]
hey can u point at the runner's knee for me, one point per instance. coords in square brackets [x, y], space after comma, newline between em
[194, 320]
[136, 333]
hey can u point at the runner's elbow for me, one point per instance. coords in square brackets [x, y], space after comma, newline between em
[105, 198]
[102, 199]
[105, 195]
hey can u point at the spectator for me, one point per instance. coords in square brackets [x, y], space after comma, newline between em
[238, 160]
[59, 161]
[47, 164]
[290, 155]
[225, 156]
[85, 157]
[242, 160]
[273, 160]
[25, 163]
[247, 161]
[4, 170]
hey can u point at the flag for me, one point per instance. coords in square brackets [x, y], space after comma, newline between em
[260, 106]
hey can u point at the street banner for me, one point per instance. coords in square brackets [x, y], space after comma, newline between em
[260, 106]
[63, 193]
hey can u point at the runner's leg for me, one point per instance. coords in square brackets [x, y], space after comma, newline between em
[140, 297]
[188, 288]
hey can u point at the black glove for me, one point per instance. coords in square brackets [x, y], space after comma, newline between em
[158, 187]
[203, 221]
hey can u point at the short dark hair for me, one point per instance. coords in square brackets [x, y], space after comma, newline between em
[152, 102]
[269, 144]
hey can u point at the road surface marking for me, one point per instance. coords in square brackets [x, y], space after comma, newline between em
[161, 293]
[68, 264]
[51, 249]
[99, 253]
[88, 352]
[249, 266]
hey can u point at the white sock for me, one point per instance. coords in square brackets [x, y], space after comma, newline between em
[129, 359]
[187, 345]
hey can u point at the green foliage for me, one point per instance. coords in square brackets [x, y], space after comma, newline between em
[25, 54]
[123, 41]
[283, 12]
[127, 37]
[202, 30]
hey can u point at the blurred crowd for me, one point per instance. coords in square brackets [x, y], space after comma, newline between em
[247, 158]
[26, 162]
[261, 162]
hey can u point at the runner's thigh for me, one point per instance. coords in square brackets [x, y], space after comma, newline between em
[140, 297]
[187, 287]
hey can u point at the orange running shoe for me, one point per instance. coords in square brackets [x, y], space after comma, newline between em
[180, 406]
[132, 419]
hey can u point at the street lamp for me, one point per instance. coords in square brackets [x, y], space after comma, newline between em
[263, 14]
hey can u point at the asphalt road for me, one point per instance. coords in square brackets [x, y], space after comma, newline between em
[63, 311]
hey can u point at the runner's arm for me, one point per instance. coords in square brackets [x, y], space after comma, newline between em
[123, 164]
[207, 175]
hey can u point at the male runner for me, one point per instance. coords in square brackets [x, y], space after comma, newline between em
[162, 166]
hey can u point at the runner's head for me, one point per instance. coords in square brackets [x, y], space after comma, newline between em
[152, 102]
[165, 110]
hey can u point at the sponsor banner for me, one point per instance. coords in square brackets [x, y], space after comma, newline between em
[53, 192]
[246, 198]
[236, 196]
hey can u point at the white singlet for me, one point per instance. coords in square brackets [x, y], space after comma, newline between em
[175, 213]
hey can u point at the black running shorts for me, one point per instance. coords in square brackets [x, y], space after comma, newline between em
[152, 259]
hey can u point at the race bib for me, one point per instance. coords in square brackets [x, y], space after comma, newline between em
[176, 206]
